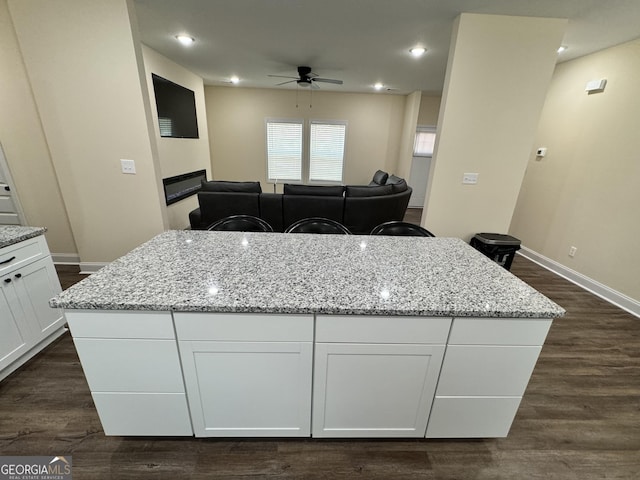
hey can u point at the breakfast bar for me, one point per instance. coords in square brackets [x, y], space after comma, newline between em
[269, 334]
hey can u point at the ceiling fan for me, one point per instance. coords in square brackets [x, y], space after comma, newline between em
[306, 78]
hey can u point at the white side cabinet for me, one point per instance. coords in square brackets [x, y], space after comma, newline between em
[376, 376]
[486, 370]
[131, 362]
[28, 280]
[247, 375]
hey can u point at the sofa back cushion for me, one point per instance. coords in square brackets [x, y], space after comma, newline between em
[226, 186]
[296, 208]
[398, 184]
[316, 190]
[361, 214]
[215, 206]
[380, 177]
[366, 191]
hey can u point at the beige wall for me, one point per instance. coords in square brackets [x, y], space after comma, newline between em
[236, 118]
[179, 155]
[585, 191]
[84, 64]
[498, 72]
[429, 109]
[25, 145]
[408, 134]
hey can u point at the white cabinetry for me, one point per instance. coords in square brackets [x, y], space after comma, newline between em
[132, 366]
[486, 370]
[376, 376]
[247, 374]
[27, 281]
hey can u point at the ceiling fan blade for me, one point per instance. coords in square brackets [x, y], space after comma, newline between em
[284, 83]
[314, 86]
[282, 76]
[327, 80]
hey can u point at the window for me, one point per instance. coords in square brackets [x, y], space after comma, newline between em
[424, 142]
[284, 150]
[322, 161]
[326, 151]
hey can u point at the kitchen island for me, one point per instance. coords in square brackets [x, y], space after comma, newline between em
[254, 334]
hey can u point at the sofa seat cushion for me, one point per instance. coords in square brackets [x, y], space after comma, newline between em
[315, 190]
[227, 186]
[366, 191]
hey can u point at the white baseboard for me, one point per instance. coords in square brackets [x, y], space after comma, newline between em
[91, 267]
[65, 258]
[606, 293]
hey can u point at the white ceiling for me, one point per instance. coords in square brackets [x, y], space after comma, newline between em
[358, 41]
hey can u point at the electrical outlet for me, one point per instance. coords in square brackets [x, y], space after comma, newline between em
[469, 178]
[128, 166]
[572, 251]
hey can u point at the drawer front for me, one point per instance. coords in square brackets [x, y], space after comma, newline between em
[123, 324]
[499, 331]
[372, 329]
[6, 204]
[478, 370]
[130, 365]
[244, 327]
[152, 414]
[468, 417]
[19, 254]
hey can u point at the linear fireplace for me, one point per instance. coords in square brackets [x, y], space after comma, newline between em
[183, 186]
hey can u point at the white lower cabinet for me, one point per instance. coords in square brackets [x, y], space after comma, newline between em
[381, 389]
[131, 362]
[485, 372]
[28, 280]
[247, 375]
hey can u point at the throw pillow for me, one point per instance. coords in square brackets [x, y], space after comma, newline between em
[380, 177]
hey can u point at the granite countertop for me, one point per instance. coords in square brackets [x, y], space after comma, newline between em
[305, 273]
[10, 234]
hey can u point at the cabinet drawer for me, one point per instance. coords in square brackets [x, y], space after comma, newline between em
[143, 413]
[499, 331]
[479, 370]
[244, 327]
[120, 324]
[372, 329]
[21, 253]
[467, 417]
[130, 365]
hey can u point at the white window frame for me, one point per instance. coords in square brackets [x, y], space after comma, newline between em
[297, 121]
[424, 129]
[306, 150]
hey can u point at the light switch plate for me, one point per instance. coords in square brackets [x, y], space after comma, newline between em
[469, 178]
[128, 166]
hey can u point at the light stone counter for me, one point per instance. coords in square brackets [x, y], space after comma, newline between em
[12, 234]
[303, 273]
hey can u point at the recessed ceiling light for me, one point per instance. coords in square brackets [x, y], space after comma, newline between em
[185, 40]
[417, 51]
[378, 86]
[234, 79]
[561, 48]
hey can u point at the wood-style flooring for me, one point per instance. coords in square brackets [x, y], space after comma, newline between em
[579, 419]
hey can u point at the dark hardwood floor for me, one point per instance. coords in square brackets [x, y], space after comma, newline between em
[579, 419]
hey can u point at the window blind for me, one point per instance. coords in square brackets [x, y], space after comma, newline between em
[284, 150]
[326, 151]
[424, 143]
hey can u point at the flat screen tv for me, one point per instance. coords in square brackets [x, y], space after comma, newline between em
[176, 107]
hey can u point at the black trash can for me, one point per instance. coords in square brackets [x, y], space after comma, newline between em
[498, 247]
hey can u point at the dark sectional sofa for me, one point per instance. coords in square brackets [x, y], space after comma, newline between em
[358, 207]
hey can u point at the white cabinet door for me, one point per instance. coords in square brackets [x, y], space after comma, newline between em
[14, 339]
[374, 390]
[248, 389]
[35, 284]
